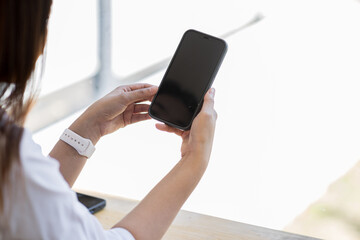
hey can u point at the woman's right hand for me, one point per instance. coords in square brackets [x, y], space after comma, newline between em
[153, 215]
[199, 139]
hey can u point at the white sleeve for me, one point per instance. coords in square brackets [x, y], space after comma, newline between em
[55, 211]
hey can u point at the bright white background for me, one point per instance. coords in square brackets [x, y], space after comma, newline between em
[287, 97]
[71, 52]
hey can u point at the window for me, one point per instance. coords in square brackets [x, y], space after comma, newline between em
[71, 56]
[147, 32]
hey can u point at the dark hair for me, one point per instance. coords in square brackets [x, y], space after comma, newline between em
[23, 31]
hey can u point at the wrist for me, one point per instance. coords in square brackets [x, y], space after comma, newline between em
[201, 151]
[86, 129]
[83, 146]
[198, 160]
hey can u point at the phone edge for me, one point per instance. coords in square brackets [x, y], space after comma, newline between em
[207, 88]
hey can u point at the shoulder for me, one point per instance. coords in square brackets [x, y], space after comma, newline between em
[41, 173]
[28, 147]
[56, 212]
[31, 154]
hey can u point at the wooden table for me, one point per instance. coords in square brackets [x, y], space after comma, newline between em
[190, 225]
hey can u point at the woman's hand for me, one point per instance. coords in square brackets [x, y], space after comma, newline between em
[199, 138]
[119, 108]
[153, 215]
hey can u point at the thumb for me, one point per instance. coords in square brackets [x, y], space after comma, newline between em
[209, 99]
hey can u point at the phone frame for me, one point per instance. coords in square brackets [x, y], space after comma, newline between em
[211, 80]
[94, 208]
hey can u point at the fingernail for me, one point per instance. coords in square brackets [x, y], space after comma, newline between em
[212, 91]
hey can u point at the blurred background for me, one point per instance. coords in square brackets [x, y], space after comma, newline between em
[287, 141]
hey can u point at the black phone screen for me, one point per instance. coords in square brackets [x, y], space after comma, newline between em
[188, 77]
[94, 204]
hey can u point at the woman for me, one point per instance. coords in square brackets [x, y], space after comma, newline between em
[36, 200]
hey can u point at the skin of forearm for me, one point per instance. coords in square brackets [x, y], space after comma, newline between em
[71, 162]
[154, 214]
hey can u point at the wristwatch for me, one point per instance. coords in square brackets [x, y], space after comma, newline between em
[82, 145]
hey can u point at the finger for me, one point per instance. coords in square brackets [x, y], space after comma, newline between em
[139, 118]
[140, 94]
[209, 100]
[136, 86]
[141, 108]
[151, 98]
[185, 134]
[167, 128]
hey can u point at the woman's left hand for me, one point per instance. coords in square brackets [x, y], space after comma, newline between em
[119, 108]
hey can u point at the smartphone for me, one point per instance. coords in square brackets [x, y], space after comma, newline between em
[190, 74]
[94, 204]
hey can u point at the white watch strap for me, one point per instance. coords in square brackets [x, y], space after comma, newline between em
[82, 145]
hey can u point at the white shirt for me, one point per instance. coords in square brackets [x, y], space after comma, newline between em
[40, 204]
